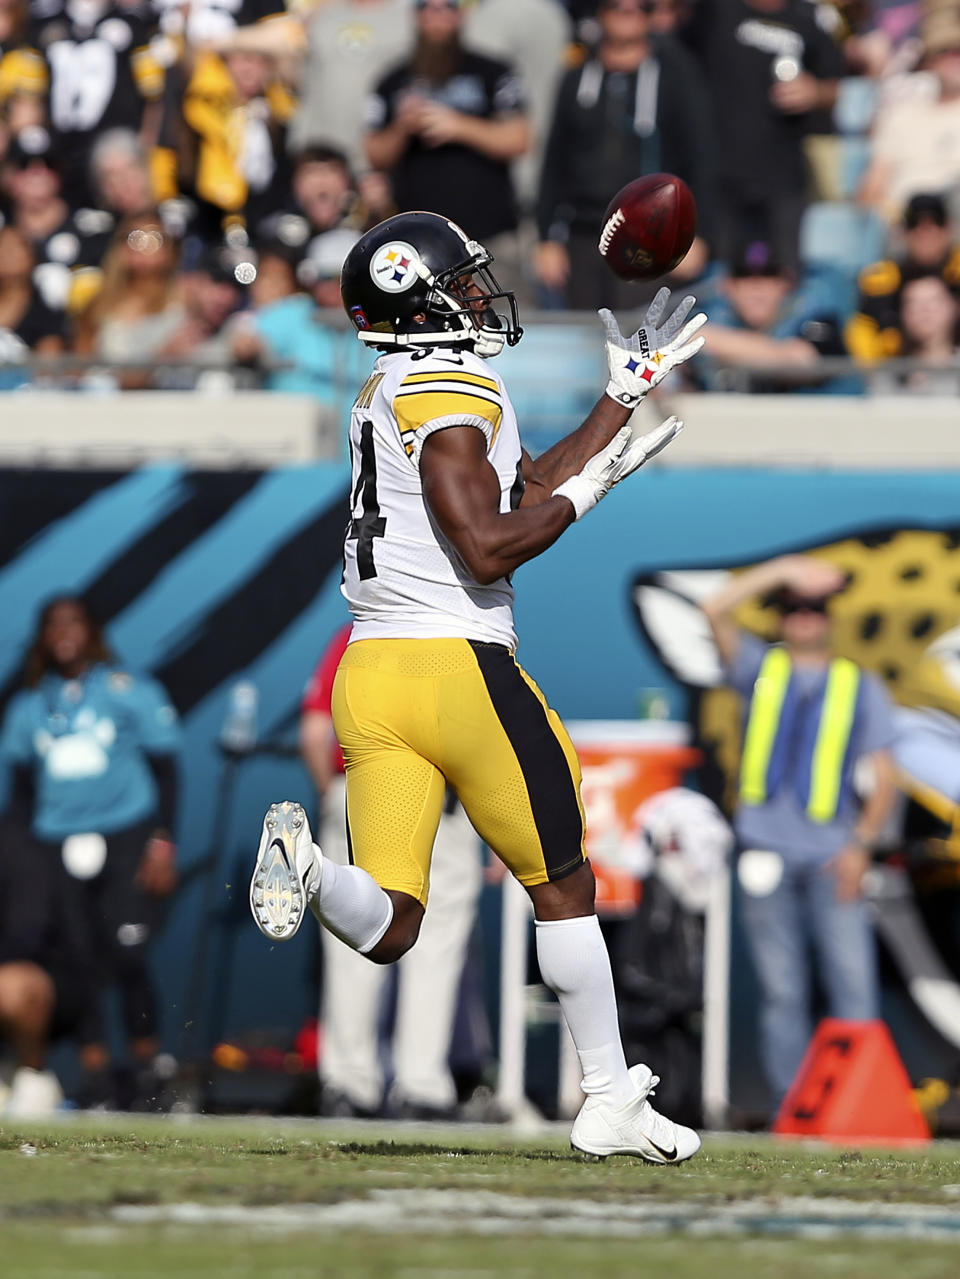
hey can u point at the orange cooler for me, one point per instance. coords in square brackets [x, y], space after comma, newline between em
[624, 762]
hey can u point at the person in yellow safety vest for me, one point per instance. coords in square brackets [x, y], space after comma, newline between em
[805, 836]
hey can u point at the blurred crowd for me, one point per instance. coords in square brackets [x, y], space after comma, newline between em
[180, 182]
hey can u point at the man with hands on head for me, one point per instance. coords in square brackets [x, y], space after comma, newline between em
[804, 833]
[445, 504]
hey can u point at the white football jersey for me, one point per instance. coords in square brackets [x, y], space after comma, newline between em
[402, 578]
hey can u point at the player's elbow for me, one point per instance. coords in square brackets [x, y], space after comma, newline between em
[478, 553]
[484, 569]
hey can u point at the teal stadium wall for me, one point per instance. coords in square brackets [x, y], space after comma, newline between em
[205, 578]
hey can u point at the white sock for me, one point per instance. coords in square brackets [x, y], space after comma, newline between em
[352, 905]
[575, 965]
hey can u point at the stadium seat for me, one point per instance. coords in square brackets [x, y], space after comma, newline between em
[854, 158]
[554, 377]
[855, 105]
[841, 236]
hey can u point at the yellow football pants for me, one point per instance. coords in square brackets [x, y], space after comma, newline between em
[413, 715]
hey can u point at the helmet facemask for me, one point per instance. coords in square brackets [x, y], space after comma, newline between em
[486, 330]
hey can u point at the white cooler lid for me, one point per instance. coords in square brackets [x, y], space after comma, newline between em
[652, 732]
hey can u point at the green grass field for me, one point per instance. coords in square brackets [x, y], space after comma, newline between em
[132, 1197]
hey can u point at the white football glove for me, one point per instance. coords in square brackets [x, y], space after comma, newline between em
[624, 454]
[641, 361]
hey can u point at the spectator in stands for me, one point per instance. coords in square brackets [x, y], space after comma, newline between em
[63, 243]
[292, 329]
[14, 15]
[772, 74]
[122, 188]
[225, 144]
[760, 320]
[101, 76]
[211, 293]
[323, 196]
[276, 277]
[323, 187]
[667, 16]
[47, 981]
[120, 175]
[21, 88]
[445, 126]
[139, 306]
[92, 750]
[22, 309]
[878, 39]
[31, 186]
[930, 247]
[930, 324]
[805, 835]
[636, 107]
[350, 44]
[326, 194]
[261, 26]
[533, 35]
[320, 269]
[428, 983]
[375, 200]
[276, 281]
[916, 139]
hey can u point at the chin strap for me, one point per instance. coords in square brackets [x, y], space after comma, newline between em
[485, 342]
[489, 342]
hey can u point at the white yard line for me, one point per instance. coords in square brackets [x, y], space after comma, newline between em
[446, 1212]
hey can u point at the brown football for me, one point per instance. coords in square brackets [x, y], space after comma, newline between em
[648, 227]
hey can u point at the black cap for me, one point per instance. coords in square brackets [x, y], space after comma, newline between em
[756, 259]
[32, 144]
[925, 205]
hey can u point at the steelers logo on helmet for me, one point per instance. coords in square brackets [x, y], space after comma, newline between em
[395, 266]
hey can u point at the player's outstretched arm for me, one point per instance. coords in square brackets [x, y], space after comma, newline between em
[635, 365]
[462, 491]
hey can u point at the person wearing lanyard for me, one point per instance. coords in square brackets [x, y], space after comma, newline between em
[91, 748]
[804, 835]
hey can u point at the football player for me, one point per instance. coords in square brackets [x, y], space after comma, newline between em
[445, 504]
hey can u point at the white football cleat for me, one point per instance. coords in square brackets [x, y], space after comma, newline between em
[34, 1094]
[633, 1129]
[286, 877]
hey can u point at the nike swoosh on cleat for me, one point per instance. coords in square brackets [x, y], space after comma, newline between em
[669, 1155]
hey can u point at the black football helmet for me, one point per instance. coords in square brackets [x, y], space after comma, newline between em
[402, 286]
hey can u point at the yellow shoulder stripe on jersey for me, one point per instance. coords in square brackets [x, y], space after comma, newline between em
[440, 386]
[414, 410]
[471, 379]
